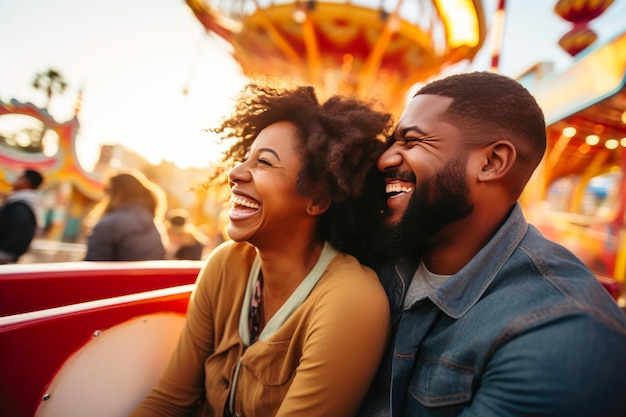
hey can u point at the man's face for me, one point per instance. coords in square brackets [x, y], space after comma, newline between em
[425, 170]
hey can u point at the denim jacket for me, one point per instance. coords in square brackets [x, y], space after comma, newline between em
[524, 329]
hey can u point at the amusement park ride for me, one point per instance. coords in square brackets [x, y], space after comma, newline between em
[91, 338]
[578, 195]
[67, 181]
[369, 48]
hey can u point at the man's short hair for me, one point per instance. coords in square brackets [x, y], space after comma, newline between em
[493, 106]
[34, 178]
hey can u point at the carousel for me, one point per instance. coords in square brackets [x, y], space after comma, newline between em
[374, 49]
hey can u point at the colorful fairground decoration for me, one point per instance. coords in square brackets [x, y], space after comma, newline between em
[371, 49]
[30, 137]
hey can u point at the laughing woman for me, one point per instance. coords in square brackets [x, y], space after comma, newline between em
[284, 320]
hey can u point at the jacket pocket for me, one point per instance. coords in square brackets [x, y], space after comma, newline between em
[266, 374]
[273, 364]
[438, 382]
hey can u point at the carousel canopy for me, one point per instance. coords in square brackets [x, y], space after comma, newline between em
[369, 48]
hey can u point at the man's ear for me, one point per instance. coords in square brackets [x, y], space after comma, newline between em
[498, 160]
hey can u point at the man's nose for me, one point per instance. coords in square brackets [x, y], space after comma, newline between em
[389, 159]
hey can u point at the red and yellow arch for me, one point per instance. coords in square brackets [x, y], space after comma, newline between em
[74, 190]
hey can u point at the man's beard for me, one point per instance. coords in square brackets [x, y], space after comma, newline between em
[433, 205]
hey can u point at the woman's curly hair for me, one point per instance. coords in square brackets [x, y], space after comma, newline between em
[340, 142]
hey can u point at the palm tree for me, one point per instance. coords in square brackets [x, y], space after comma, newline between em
[51, 82]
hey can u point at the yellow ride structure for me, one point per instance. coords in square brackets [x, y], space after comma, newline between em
[375, 49]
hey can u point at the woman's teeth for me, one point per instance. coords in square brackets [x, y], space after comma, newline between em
[241, 202]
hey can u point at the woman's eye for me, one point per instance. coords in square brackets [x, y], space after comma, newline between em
[265, 162]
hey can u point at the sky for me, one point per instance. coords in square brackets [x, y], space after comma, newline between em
[132, 60]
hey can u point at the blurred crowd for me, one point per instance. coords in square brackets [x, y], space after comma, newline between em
[130, 223]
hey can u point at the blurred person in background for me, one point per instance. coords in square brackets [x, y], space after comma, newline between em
[18, 216]
[185, 240]
[128, 222]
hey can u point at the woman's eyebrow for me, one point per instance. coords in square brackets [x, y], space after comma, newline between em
[272, 151]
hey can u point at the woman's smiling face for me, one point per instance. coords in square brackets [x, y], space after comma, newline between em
[267, 208]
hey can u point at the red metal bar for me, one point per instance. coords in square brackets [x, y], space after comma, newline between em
[31, 287]
[497, 34]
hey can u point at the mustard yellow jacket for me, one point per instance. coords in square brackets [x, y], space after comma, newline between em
[319, 361]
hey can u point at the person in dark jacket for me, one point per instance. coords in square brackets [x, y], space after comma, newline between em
[128, 225]
[18, 216]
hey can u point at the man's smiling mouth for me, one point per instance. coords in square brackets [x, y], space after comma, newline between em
[396, 189]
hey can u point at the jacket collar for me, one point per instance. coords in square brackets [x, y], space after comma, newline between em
[461, 291]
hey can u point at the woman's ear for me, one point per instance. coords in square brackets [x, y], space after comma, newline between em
[317, 207]
[498, 160]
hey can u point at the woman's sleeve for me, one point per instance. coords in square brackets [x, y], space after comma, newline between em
[345, 342]
[181, 388]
